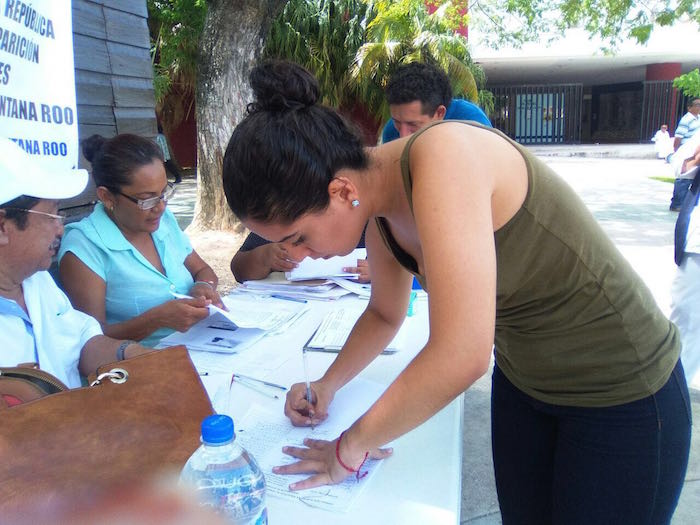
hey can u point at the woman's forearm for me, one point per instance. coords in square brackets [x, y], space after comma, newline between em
[249, 265]
[136, 328]
[370, 336]
[207, 275]
[432, 380]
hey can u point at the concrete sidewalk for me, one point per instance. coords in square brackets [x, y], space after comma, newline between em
[633, 209]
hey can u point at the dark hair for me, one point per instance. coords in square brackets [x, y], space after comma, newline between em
[282, 156]
[418, 81]
[114, 160]
[13, 209]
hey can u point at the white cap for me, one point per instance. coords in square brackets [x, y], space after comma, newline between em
[20, 174]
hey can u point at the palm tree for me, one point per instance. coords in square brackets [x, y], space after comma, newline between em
[353, 46]
[321, 35]
[175, 28]
[402, 32]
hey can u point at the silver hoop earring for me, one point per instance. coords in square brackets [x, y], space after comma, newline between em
[355, 203]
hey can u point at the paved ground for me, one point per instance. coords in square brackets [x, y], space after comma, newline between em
[615, 183]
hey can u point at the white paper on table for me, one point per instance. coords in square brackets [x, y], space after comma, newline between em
[330, 294]
[277, 281]
[326, 268]
[215, 334]
[265, 312]
[360, 289]
[263, 433]
[336, 327]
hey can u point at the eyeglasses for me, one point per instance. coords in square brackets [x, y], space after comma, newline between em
[60, 217]
[151, 202]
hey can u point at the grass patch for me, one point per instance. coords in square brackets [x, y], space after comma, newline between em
[664, 179]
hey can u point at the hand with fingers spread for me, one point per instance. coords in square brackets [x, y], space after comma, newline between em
[329, 462]
[303, 413]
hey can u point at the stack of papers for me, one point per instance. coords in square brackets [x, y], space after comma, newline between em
[247, 320]
[276, 284]
[335, 329]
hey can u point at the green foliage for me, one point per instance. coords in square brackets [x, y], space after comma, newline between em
[323, 36]
[353, 46]
[516, 21]
[402, 32]
[174, 27]
[689, 84]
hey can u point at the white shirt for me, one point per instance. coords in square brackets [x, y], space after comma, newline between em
[684, 152]
[53, 334]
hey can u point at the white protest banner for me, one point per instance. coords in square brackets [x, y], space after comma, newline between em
[37, 80]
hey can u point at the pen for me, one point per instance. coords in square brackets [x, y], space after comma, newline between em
[248, 378]
[289, 298]
[308, 387]
[257, 389]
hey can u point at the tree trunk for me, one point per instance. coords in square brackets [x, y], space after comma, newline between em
[232, 41]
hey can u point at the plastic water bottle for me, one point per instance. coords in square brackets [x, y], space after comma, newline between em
[225, 477]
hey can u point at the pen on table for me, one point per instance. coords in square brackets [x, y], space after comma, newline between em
[308, 386]
[248, 378]
[204, 373]
[256, 388]
[289, 298]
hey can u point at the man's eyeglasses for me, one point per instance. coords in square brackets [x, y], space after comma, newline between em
[58, 217]
[151, 202]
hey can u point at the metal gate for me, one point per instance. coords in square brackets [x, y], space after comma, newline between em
[662, 104]
[539, 114]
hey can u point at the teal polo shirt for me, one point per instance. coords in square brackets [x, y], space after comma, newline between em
[133, 285]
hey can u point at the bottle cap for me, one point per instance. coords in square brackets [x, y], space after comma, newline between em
[217, 428]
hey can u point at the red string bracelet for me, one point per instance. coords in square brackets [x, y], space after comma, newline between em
[357, 473]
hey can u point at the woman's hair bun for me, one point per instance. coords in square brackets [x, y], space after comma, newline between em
[92, 146]
[280, 85]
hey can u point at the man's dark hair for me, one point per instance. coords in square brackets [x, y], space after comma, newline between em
[13, 209]
[417, 81]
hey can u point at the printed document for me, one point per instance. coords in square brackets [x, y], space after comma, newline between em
[263, 433]
[335, 329]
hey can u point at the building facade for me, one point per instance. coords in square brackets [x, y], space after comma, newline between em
[570, 92]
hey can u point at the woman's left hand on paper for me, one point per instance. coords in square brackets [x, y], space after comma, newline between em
[318, 458]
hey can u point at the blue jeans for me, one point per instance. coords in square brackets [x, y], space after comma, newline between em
[565, 465]
[680, 190]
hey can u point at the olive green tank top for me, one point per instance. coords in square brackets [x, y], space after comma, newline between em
[575, 325]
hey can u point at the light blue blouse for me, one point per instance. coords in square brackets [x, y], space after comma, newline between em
[133, 285]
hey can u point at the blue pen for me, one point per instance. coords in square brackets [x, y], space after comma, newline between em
[288, 298]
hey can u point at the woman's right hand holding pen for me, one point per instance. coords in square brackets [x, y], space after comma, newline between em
[303, 413]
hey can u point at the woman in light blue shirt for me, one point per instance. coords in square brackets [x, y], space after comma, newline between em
[123, 262]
